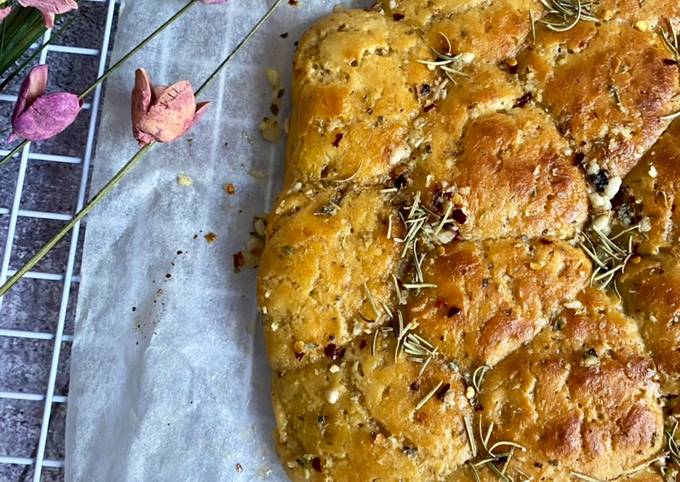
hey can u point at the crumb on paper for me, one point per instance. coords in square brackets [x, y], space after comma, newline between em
[250, 257]
[274, 78]
[230, 189]
[269, 128]
[239, 262]
[210, 237]
[239, 468]
[184, 180]
[258, 174]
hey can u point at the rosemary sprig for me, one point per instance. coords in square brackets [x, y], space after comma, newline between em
[445, 60]
[644, 465]
[585, 477]
[428, 397]
[109, 186]
[489, 456]
[609, 257]
[564, 15]
[420, 351]
[478, 377]
[371, 302]
[672, 445]
[670, 38]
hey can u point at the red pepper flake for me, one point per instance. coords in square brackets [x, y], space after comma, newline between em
[453, 311]
[230, 189]
[459, 216]
[316, 464]
[443, 390]
[210, 237]
[293, 3]
[428, 108]
[332, 352]
[284, 35]
[274, 109]
[415, 386]
[524, 100]
[239, 261]
[398, 16]
[299, 355]
[338, 138]
[670, 62]
[363, 344]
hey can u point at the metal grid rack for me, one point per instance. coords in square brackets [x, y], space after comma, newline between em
[60, 274]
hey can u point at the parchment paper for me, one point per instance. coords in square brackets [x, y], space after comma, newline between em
[169, 380]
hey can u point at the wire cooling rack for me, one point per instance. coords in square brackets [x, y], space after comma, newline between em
[40, 189]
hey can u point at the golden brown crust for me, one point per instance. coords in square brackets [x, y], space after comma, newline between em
[357, 413]
[503, 158]
[311, 286]
[611, 114]
[651, 193]
[431, 223]
[580, 397]
[494, 296]
[651, 291]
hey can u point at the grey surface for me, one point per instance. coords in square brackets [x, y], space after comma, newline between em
[33, 305]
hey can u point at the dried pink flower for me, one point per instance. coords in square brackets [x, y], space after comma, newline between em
[161, 113]
[4, 12]
[38, 116]
[50, 8]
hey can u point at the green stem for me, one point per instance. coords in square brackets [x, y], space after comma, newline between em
[136, 49]
[37, 51]
[114, 67]
[37, 257]
[238, 47]
[14, 152]
[77, 218]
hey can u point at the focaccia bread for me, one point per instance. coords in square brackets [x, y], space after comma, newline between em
[472, 271]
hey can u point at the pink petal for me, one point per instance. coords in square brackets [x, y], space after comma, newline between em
[49, 8]
[142, 97]
[4, 12]
[47, 116]
[33, 86]
[171, 115]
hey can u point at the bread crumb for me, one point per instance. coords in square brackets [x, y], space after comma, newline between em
[184, 180]
[210, 237]
[332, 396]
[269, 128]
[229, 188]
[652, 171]
[642, 25]
[273, 77]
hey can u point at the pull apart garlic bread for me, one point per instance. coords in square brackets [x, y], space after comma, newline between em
[472, 271]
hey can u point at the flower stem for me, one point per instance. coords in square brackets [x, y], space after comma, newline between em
[14, 152]
[115, 67]
[77, 218]
[37, 257]
[238, 47]
[136, 49]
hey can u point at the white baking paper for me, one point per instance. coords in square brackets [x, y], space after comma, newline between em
[169, 380]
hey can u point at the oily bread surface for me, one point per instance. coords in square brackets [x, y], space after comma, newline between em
[538, 137]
